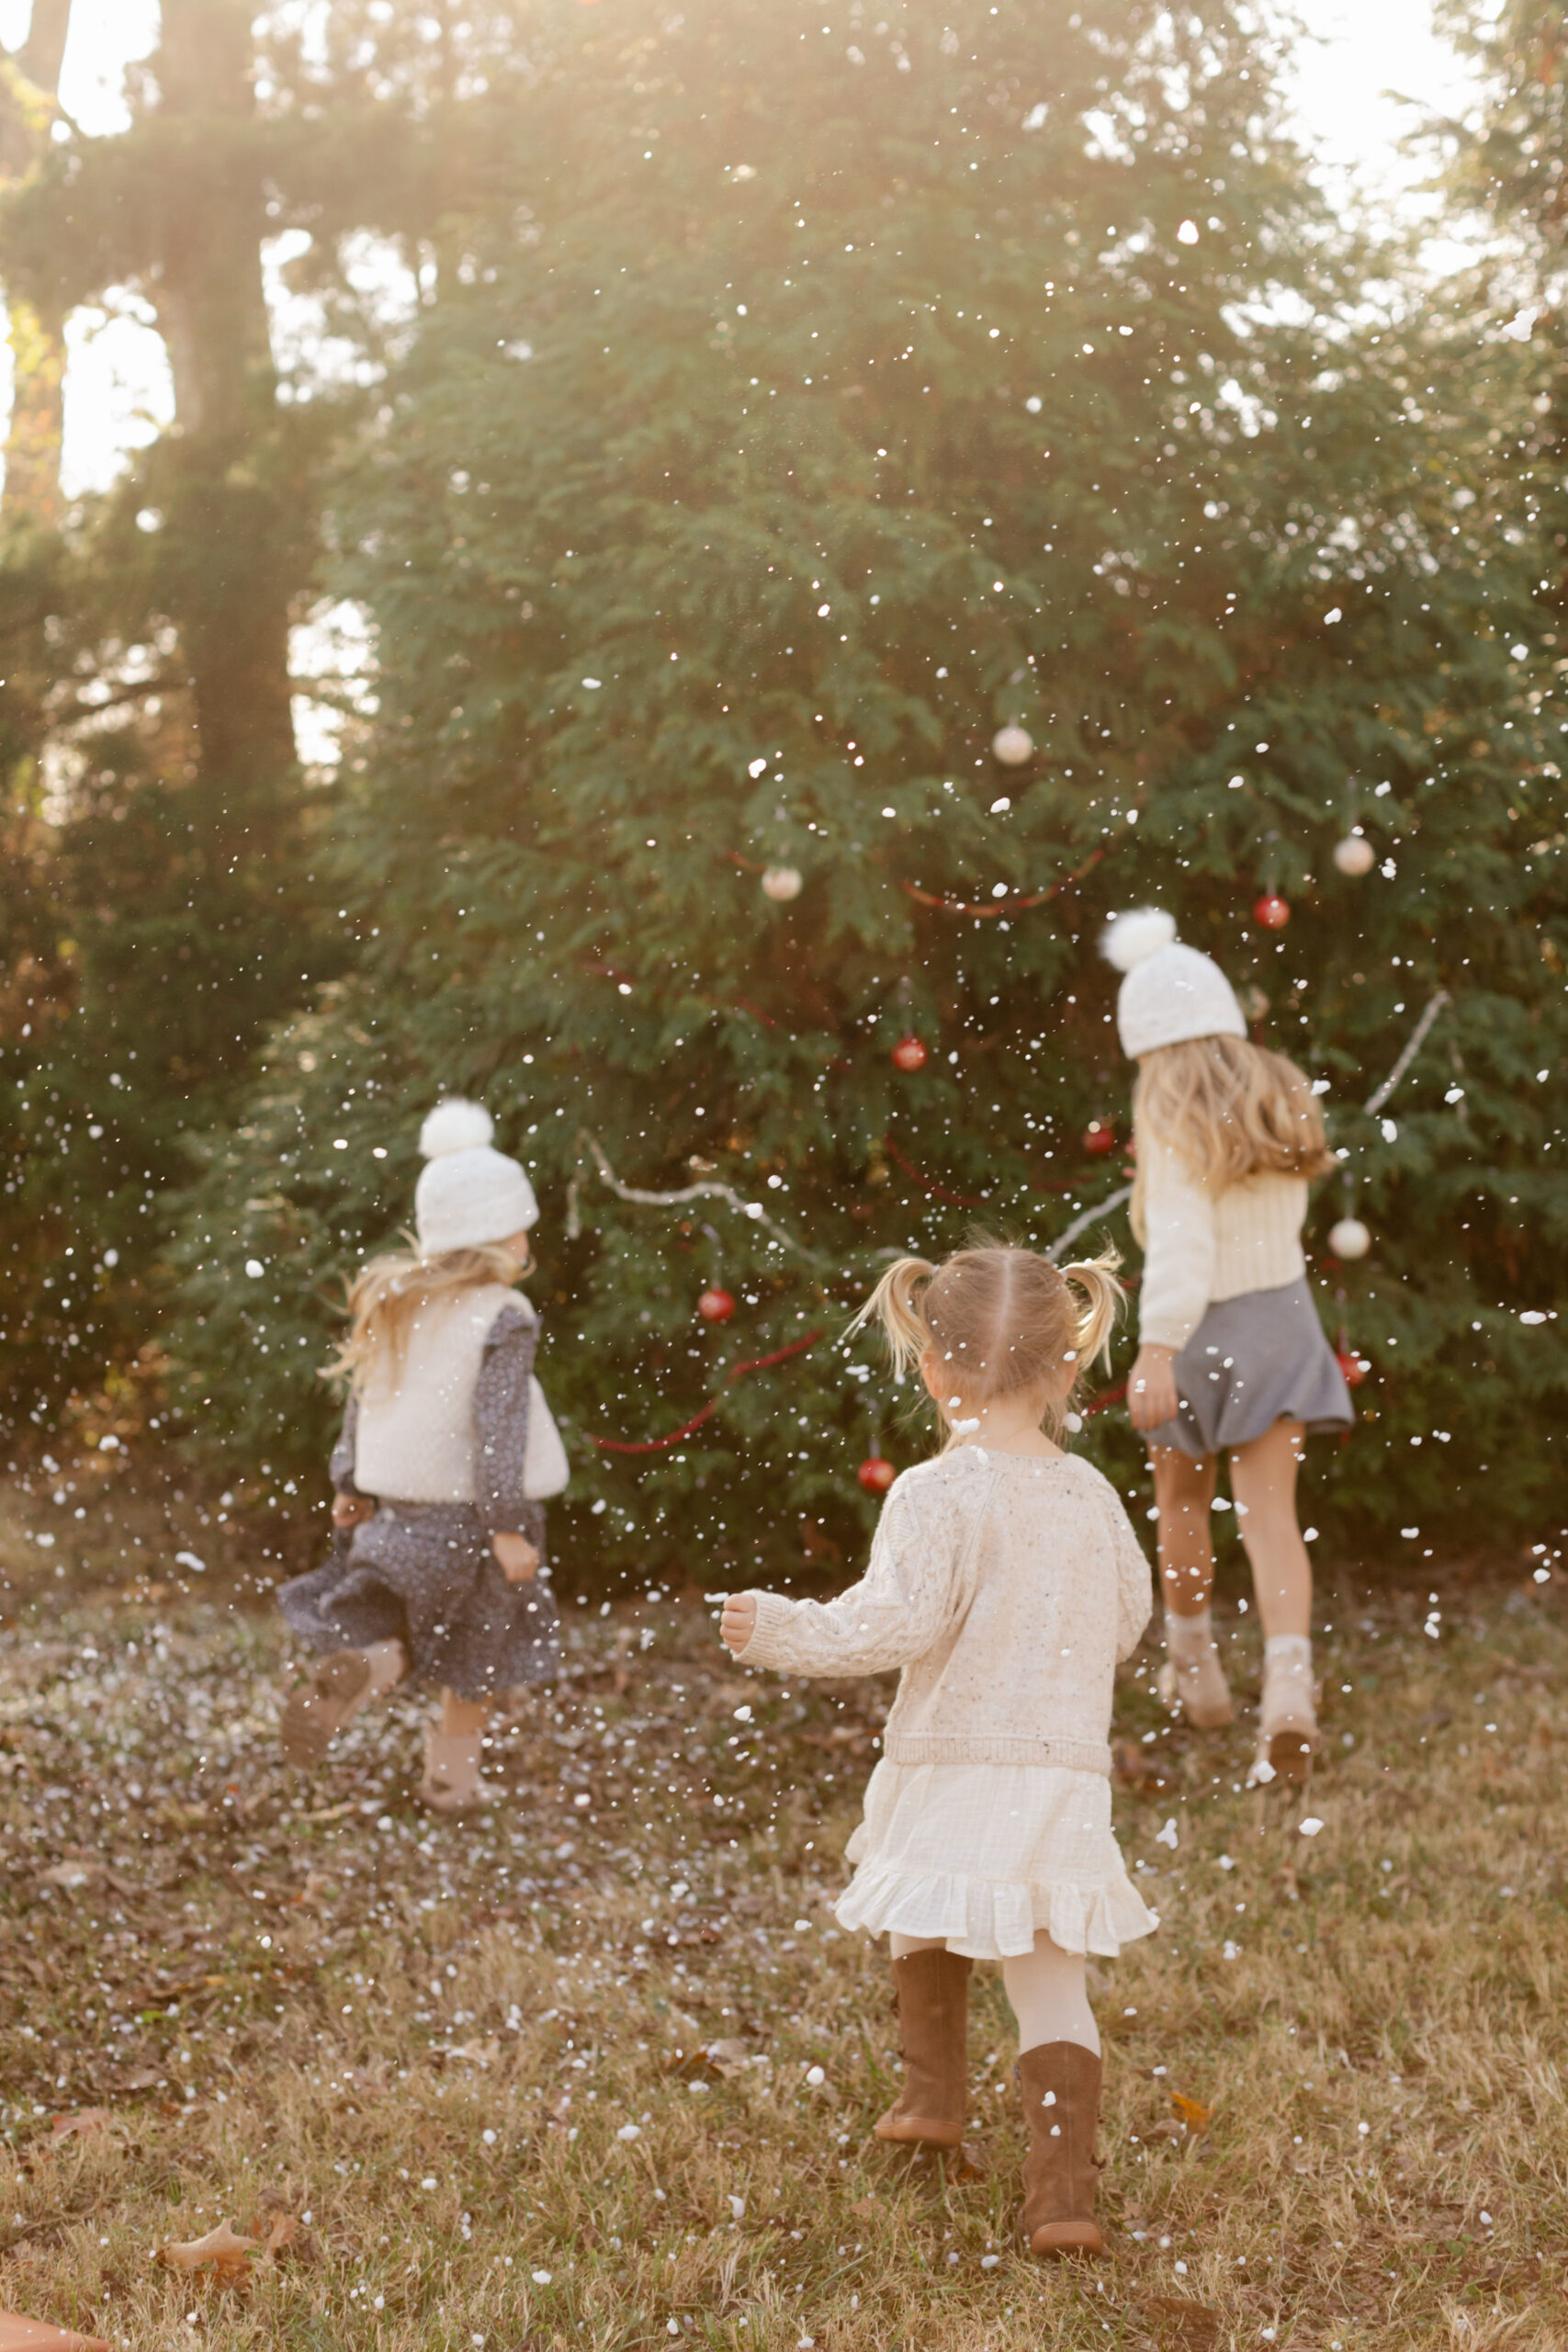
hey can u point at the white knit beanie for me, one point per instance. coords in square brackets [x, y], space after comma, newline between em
[467, 1195]
[1171, 993]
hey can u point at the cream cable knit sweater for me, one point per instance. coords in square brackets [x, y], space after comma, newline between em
[1204, 1246]
[1007, 1587]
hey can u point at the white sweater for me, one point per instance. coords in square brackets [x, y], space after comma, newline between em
[1007, 1587]
[1203, 1246]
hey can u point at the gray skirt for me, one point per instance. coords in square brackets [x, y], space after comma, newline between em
[423, 1574]
[1254, 1361]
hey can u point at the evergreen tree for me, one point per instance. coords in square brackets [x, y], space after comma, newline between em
[159, 889]
[836, 398]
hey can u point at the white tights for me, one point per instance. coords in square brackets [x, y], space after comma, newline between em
[1046, 1987]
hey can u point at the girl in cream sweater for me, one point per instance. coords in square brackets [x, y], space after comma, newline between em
[1232, 1358]
[1006, 1581]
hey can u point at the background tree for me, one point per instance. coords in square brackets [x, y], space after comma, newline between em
[830, 400]
[160, 894]
[29, 96]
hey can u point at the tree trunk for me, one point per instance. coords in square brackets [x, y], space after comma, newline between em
[212, 306]
[37, 338]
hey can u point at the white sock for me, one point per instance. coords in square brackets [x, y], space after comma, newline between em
[1188, 1637]
[1288, 1653]
[1049, 1996]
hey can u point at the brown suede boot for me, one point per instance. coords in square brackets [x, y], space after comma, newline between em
[1060, 2085]
[340, 1684]
[933, 2033]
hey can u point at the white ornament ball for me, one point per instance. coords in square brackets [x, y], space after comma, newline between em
[1012, 746]
[783, 883]
[1349, 1239]
[1355, 855]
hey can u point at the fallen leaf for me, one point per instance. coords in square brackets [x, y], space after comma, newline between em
[220, 2250]
[72, 1874]
[288, 2236]
[477, 2053]
[1138, 1770]
[82, 2124]
[19, 2333]
[729, 2057]
[1187, 2326]
[1191, 2111]
[561, 2108]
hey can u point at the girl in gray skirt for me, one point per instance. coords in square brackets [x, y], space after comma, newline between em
[1232, 1357]
[438, 1573]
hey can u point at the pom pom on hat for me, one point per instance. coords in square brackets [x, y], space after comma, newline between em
[454, 1125]
[1131, 939]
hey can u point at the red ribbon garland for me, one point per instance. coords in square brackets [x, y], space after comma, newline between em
[736, 1371]
[761, 1363]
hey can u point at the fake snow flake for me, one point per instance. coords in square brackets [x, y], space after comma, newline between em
[1167, 1836]
[816, 2076]
[1311, 1826]
[629, 2131]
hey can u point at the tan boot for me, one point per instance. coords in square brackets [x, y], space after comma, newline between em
[342, 1682]
[1287, 1734]
[933, 2032]
[1060, 2084]
[451, 1781]
[1193, 1674]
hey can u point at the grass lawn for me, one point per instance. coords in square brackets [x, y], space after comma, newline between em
[547, 2077]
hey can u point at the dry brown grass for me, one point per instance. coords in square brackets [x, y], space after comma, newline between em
[429, 2038]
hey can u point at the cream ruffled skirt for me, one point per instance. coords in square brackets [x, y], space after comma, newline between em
[986, 1855]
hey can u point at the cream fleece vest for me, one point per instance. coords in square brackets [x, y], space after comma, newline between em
[415, 1439]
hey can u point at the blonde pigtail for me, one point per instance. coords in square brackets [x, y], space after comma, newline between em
[893, 1304]
[1096, 1278]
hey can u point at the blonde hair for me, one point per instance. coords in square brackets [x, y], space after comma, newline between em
[385, 1295]
[1229, 1110]
[1005, 1318]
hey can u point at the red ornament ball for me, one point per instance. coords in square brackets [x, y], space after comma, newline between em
[1272, 911]
[1100, 1136]
[716, 1305]
[910, 1053]
[876, 1474]
[1355, 1368]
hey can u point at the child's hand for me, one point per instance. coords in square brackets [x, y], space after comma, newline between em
[739, 1621]
[1151, 1388]
[519, 1559]
[351, 1510]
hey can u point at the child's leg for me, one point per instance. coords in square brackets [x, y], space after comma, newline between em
[1049, 1996]
[1058, 2079]
[931, 1985]
[340, 1683]
[462, 1718]
[451, 1781]
[1263, 1479]
[1184, 1491]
